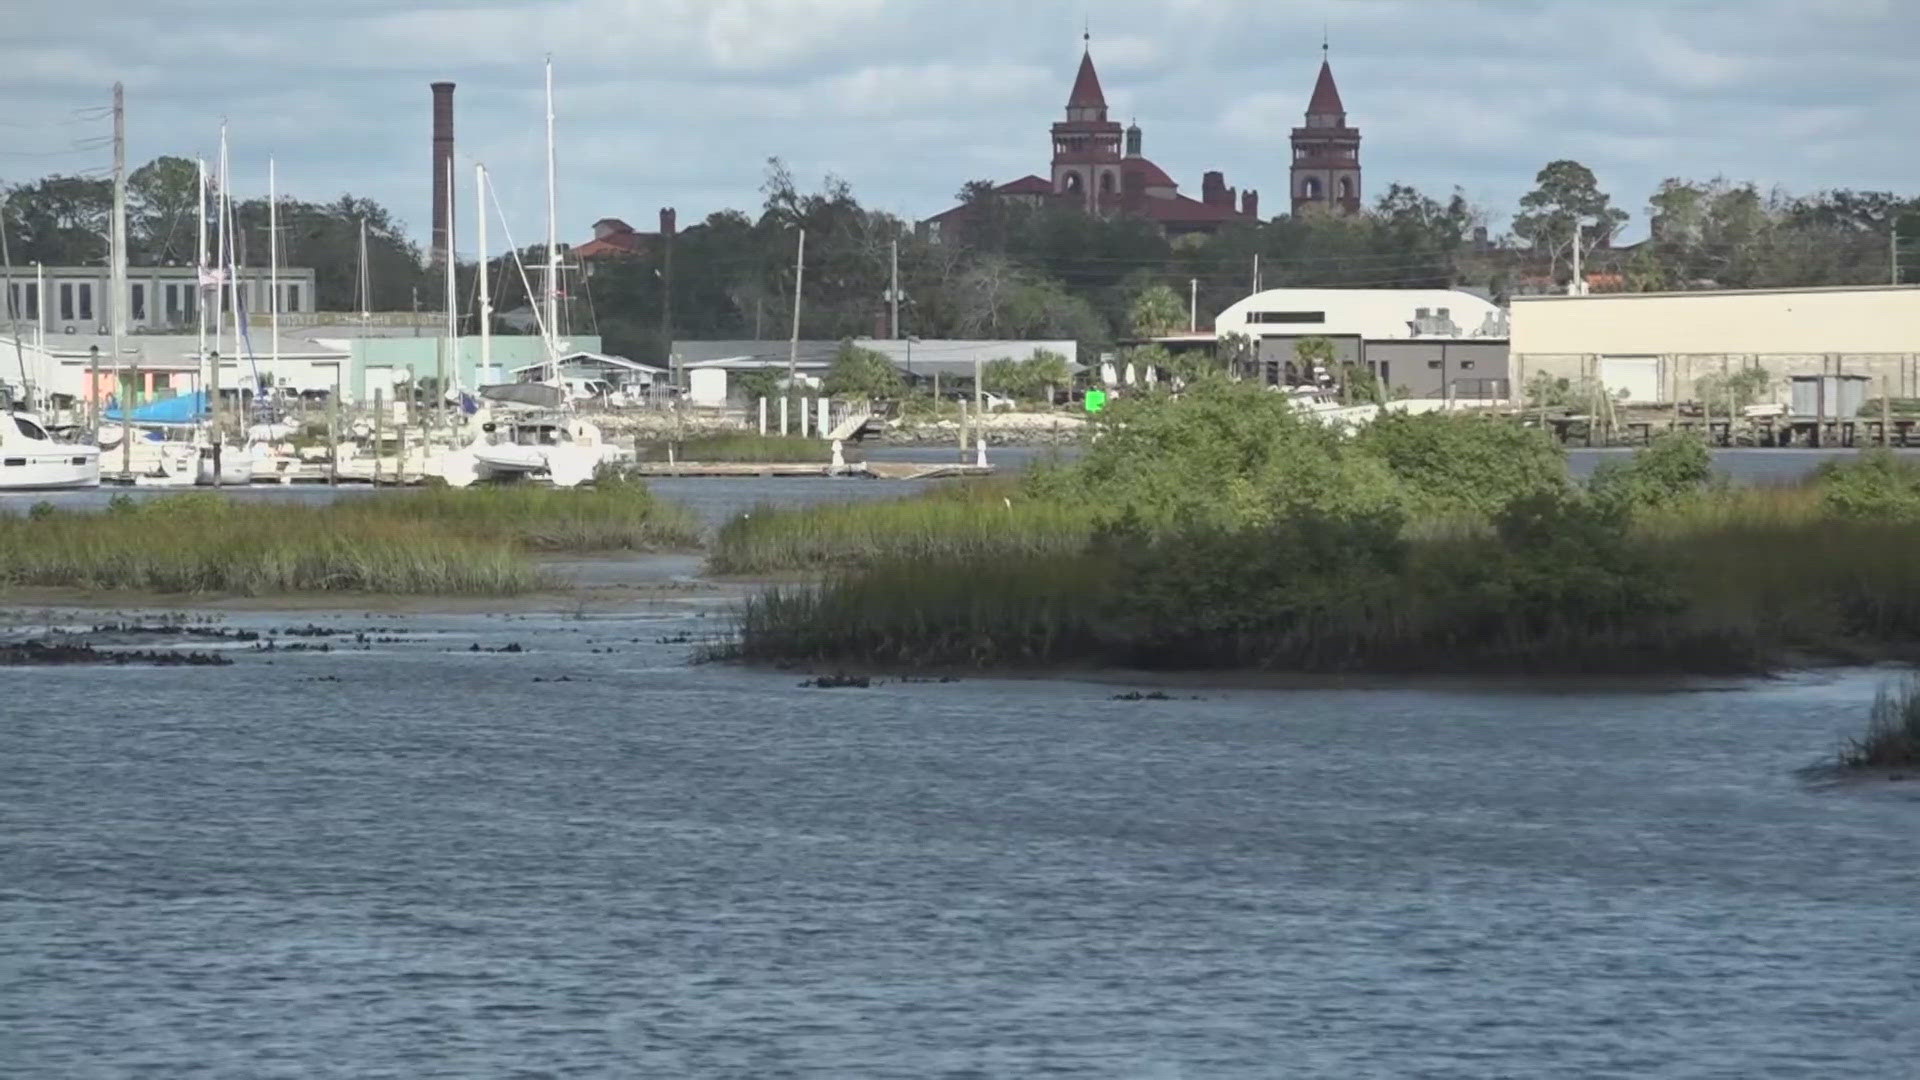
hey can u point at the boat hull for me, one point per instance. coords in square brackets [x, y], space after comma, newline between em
[71, 467]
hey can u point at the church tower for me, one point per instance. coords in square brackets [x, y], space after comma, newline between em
[1086, 145]
[1326, 152]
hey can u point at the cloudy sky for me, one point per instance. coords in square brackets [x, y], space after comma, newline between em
[679, 102]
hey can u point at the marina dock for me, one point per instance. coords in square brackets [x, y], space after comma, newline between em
[362, 474]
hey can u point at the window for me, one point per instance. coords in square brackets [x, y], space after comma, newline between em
[1434, 365]
[293, 291]
[31, 309]
[1106, 182]
[66, 300]
[172, 295]
[1466, 365]
[139, 306]
[1287, 317]
[86, 301]
[1310, 188]
[1346, 188]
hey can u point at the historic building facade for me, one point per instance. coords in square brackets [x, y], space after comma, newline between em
[1326, 153]
[1099, 167]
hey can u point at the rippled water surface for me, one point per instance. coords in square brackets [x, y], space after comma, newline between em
[403, 858]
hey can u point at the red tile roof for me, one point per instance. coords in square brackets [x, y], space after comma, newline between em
[1086, 87]
[1026, 185]
[1181, 209]
[615, 245]
[1145, 174]
[1326, 96]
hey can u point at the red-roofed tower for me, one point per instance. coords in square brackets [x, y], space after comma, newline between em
[1086, 145]
[1326, 152]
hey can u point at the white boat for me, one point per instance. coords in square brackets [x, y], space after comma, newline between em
[236, 466]
[562, 449]
[32, 460]
[555, 446]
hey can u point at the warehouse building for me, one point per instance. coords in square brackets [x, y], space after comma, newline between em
[1654, 348]
[1441, 344]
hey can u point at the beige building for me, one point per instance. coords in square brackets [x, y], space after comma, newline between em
[1651, 348]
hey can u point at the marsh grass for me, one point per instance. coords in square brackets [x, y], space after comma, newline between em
[1892, 738]
[974, 576]
[743, 447]
[958, 524]
[434, 541]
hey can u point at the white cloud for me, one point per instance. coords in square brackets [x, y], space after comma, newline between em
[679, 102]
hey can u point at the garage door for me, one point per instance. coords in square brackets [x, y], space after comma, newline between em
[1631, 379]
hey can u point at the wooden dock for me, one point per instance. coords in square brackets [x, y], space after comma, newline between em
[361, 473]
[879, 470]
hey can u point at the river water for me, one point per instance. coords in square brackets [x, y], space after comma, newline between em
[404, 858]
[593, 857]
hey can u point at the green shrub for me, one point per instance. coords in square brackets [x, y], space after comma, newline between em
[1875, 485]
[1677, 466]
[1450, 463]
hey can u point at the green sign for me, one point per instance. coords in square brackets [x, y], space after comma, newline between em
[1096, 400]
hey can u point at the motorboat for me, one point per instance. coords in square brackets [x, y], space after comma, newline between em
[32, 460]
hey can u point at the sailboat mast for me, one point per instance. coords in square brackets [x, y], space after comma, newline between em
[486, 299]
[201, 276]
[226, 257]
[117, 306]
[453, 310]
[273, 273]
[553, 244]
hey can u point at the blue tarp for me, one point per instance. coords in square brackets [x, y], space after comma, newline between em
[183, 409]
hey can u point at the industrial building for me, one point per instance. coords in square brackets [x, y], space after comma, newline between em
[1420, 343]
[921, 362]
[1653, 348]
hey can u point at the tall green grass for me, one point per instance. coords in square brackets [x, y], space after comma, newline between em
[956, 525]
[443, 542]
[741, 446]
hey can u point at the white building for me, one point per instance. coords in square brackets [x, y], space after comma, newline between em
[1654, 347]
[1422, 343]
[64, 300]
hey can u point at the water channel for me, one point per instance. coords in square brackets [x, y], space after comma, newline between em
[401, 857]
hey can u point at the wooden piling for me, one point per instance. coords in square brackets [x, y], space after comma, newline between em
[379, 429]
[333, 432]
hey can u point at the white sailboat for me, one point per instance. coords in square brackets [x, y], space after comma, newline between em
[551, 444]
[219, 464]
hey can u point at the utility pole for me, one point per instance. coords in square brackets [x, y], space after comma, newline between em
[666, 301]
[1193, 305]
[117, 283]
[893, 291]
[1256, 271]
[799, 275]
[1893, 254]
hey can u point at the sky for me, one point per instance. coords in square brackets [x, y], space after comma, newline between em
[680, 102]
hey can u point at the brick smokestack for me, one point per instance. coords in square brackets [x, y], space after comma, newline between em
[442, 161]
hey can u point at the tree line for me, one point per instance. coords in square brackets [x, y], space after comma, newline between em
[1008, 268]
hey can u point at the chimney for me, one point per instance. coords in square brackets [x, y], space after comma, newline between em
[1250, 203]
[667, 221]
[442, 161]
[1213, 189]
